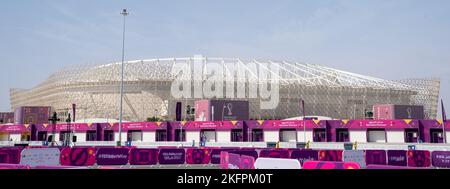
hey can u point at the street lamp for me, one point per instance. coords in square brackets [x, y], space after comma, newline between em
[124, 14]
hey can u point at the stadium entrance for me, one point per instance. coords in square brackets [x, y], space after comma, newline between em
[210, 135]
[288, 135]
[342, 135]
[376, 135]
[134, 135]
[42, 136]
[177, 136]
[4, 136]
[257, 135]
[161, 135]
[319, 135]
[237, 135]
[436, 136]
[411, 135]
[108, 135]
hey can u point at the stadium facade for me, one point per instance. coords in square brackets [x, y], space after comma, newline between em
[325, 91]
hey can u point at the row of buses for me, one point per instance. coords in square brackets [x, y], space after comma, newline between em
[380, 131]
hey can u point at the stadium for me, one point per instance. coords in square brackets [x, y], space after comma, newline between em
[147, 83]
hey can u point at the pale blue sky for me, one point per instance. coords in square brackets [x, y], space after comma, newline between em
[393, 39]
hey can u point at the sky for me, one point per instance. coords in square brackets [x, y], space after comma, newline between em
[386, 39]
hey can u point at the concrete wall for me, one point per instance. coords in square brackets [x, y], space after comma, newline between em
[223, 136]
[447, 137]
[192, 135]
[301, 136]
[358, 136]
[149, 136]
[81, 136]
[271, 136]
[124, 136]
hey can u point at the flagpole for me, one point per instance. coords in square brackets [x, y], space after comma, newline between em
[304, 124]
[444, 119]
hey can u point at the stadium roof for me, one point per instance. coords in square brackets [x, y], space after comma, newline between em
[160, 69]
[151, 79]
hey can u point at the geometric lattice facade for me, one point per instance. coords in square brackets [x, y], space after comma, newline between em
[428, 94]
[326, 91]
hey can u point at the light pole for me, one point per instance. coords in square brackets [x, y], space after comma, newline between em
[124, 14]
